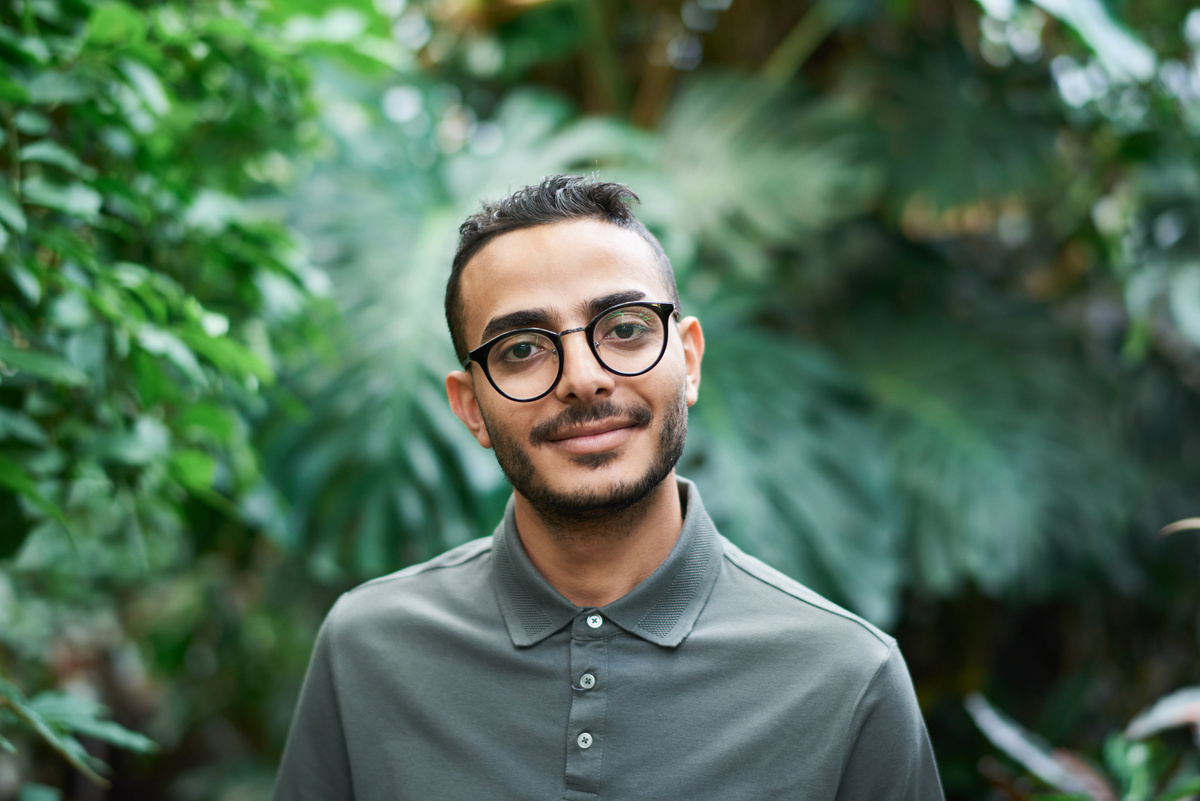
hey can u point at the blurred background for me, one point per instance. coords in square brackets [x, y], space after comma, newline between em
[947, 255]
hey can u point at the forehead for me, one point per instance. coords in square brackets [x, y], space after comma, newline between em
[556, 268]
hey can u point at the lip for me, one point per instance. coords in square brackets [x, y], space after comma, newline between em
[594, 438]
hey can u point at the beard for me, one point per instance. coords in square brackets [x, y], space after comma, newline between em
[561, 510]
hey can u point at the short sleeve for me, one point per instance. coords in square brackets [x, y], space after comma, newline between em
[890, 758]
[316, 763]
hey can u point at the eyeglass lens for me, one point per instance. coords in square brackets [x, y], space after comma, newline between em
[627, 340]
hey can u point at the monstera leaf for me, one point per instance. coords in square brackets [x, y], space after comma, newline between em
[782, 447]
[1006, 460]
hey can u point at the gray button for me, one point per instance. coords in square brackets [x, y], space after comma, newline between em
[587, 681]
[585, 740]
[595, 621]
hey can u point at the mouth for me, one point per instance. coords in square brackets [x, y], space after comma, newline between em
[596, 429]
[590, 430]
[596, 437]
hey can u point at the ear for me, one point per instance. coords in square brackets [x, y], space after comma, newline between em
[460, 391]
[692, 337]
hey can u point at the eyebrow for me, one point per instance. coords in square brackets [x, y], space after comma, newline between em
[594, 307]
[526, 318]
[540, 318]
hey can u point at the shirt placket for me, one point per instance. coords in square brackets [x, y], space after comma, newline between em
[590, 635]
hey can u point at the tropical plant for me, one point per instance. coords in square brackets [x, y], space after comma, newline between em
[144, 306]
[1139, 768]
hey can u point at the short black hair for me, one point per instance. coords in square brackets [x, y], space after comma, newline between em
[556, 199]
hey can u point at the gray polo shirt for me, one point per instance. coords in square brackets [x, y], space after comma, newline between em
[469, 678]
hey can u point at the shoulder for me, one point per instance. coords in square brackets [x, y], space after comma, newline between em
[460, 575]
[791, 612]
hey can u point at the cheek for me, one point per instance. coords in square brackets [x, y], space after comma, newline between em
[508, 420]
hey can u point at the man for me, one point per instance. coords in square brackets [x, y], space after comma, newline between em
[606, 642]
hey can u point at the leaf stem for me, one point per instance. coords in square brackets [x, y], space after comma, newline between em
[51, 739]
[789, 55]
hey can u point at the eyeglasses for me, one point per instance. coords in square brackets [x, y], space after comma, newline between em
[526, 364]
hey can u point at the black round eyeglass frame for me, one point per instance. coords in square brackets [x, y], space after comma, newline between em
[480, 354]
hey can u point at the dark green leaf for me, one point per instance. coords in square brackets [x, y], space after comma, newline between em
[11, 213]
[227, 355]
[1185, 790]
[41, 365]
[20, 426]
[14, 478]
[208, 422]
[13, 92]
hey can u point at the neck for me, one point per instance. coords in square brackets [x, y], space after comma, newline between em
[595, 562]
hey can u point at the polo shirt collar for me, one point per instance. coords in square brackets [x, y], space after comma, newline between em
[662, 609]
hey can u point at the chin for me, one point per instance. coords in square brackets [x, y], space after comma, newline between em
[599, 485]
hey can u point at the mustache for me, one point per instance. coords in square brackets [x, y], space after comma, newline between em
[573, 416]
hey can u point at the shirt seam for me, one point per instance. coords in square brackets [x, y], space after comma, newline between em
[883, 638]
[854, 721]
[484, 549]
[337, 697]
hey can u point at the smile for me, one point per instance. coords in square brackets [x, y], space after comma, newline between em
[595, 438]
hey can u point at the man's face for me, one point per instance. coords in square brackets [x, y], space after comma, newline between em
[599, 442]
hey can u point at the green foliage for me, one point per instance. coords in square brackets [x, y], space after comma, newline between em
[946, 256]
[141, 299]
[1138, 769]
[58, 717]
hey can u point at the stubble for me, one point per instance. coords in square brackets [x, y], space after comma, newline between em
[617, 505]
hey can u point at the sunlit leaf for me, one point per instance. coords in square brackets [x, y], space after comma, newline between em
[1023, 746]
[48, 152]
[88, 717]
[194, 469]
[1180, 708]
[75, 199]
[164, 343]
[1125, 56]
[207, 421]
[116, 23]
[52, 87]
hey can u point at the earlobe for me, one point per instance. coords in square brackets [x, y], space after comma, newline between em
[460, 392]
[692, 337]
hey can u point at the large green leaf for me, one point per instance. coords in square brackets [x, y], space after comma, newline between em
[791, 468]
[1008, 465]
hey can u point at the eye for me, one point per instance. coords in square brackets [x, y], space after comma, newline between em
[627, 330]
[520, 349]
[626, 326]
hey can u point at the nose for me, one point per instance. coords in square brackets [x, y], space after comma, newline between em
[583, 378]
